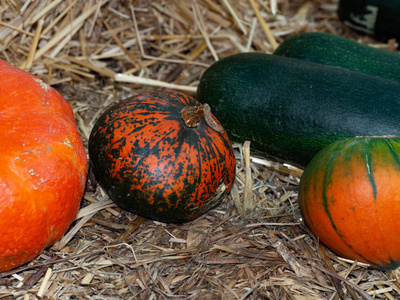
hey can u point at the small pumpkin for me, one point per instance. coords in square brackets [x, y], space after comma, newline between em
[162, 155]
[43, 166]
[350, 198]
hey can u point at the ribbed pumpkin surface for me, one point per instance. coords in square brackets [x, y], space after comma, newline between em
[150, 163]
[350, 198]
[42, 166]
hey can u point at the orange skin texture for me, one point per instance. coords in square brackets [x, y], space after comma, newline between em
[151, 164]
[350, 198]
[43, 166]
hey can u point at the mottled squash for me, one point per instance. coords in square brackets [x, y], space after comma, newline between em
[350, 198]
[163, 156]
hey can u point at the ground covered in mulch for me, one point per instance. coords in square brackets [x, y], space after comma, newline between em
[98, 52]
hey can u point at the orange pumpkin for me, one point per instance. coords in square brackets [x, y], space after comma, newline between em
[43, 166]
[350, 198]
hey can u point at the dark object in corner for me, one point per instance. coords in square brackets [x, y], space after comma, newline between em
[379, 18]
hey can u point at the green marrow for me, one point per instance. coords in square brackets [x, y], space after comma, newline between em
[333, 50]
[290, 109]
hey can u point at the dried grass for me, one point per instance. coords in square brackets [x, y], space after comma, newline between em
[97, 52]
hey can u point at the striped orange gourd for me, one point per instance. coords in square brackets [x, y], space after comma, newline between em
[350, 198]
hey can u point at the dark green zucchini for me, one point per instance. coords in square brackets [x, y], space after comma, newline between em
[333, 50]
[290, 109]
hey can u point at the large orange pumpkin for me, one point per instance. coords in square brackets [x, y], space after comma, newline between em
[350, 198]
[43, 166]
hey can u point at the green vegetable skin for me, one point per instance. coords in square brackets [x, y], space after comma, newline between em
[329, 49]
[290, 109]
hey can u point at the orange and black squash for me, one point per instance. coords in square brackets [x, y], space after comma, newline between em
[162, 155]
[350, 198]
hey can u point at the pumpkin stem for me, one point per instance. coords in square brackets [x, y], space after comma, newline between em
[192, 115]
